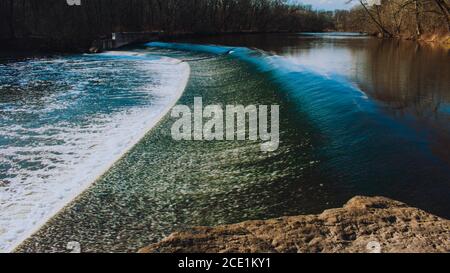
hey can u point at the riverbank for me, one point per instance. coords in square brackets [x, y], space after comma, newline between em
[122, 39]
[435, 40]
[364, 224]
[429, 39]
[111, 41]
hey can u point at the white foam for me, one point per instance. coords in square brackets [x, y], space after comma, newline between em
[87, 153]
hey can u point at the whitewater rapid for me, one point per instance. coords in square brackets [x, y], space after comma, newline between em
[71, 155]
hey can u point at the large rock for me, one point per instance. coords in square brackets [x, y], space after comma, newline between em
[364, 224]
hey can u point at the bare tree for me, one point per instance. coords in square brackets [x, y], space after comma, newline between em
[445, 9]
[406, 18]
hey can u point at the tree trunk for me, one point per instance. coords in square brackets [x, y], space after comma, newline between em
[419, 29]
[380, 26]
[445, 8]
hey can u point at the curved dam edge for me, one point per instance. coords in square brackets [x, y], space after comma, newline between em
[149, 125]
[363, 225]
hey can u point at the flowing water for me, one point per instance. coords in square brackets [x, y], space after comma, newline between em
[65, 120]
[359, 116]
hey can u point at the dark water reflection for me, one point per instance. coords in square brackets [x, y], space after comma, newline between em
[410, 81]
[407, 77]
[401, 149]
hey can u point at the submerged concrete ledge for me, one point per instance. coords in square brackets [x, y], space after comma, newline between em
[364, 224]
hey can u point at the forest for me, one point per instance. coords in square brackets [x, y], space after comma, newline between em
[396, 18]
[55, 24]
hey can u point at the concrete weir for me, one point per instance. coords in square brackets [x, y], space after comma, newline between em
[119, 39]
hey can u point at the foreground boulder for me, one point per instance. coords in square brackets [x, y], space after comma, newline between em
[364, 224]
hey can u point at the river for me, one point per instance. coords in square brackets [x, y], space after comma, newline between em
[359, 116]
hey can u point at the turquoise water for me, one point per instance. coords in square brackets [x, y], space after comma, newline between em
[340, 137]
[65, 120]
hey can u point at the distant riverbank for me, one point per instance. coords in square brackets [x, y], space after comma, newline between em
[39, 45]
[431, 39]
[28, 24]
[111, 41]
[435, 40]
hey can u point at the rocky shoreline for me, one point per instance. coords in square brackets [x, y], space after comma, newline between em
[364, 224]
